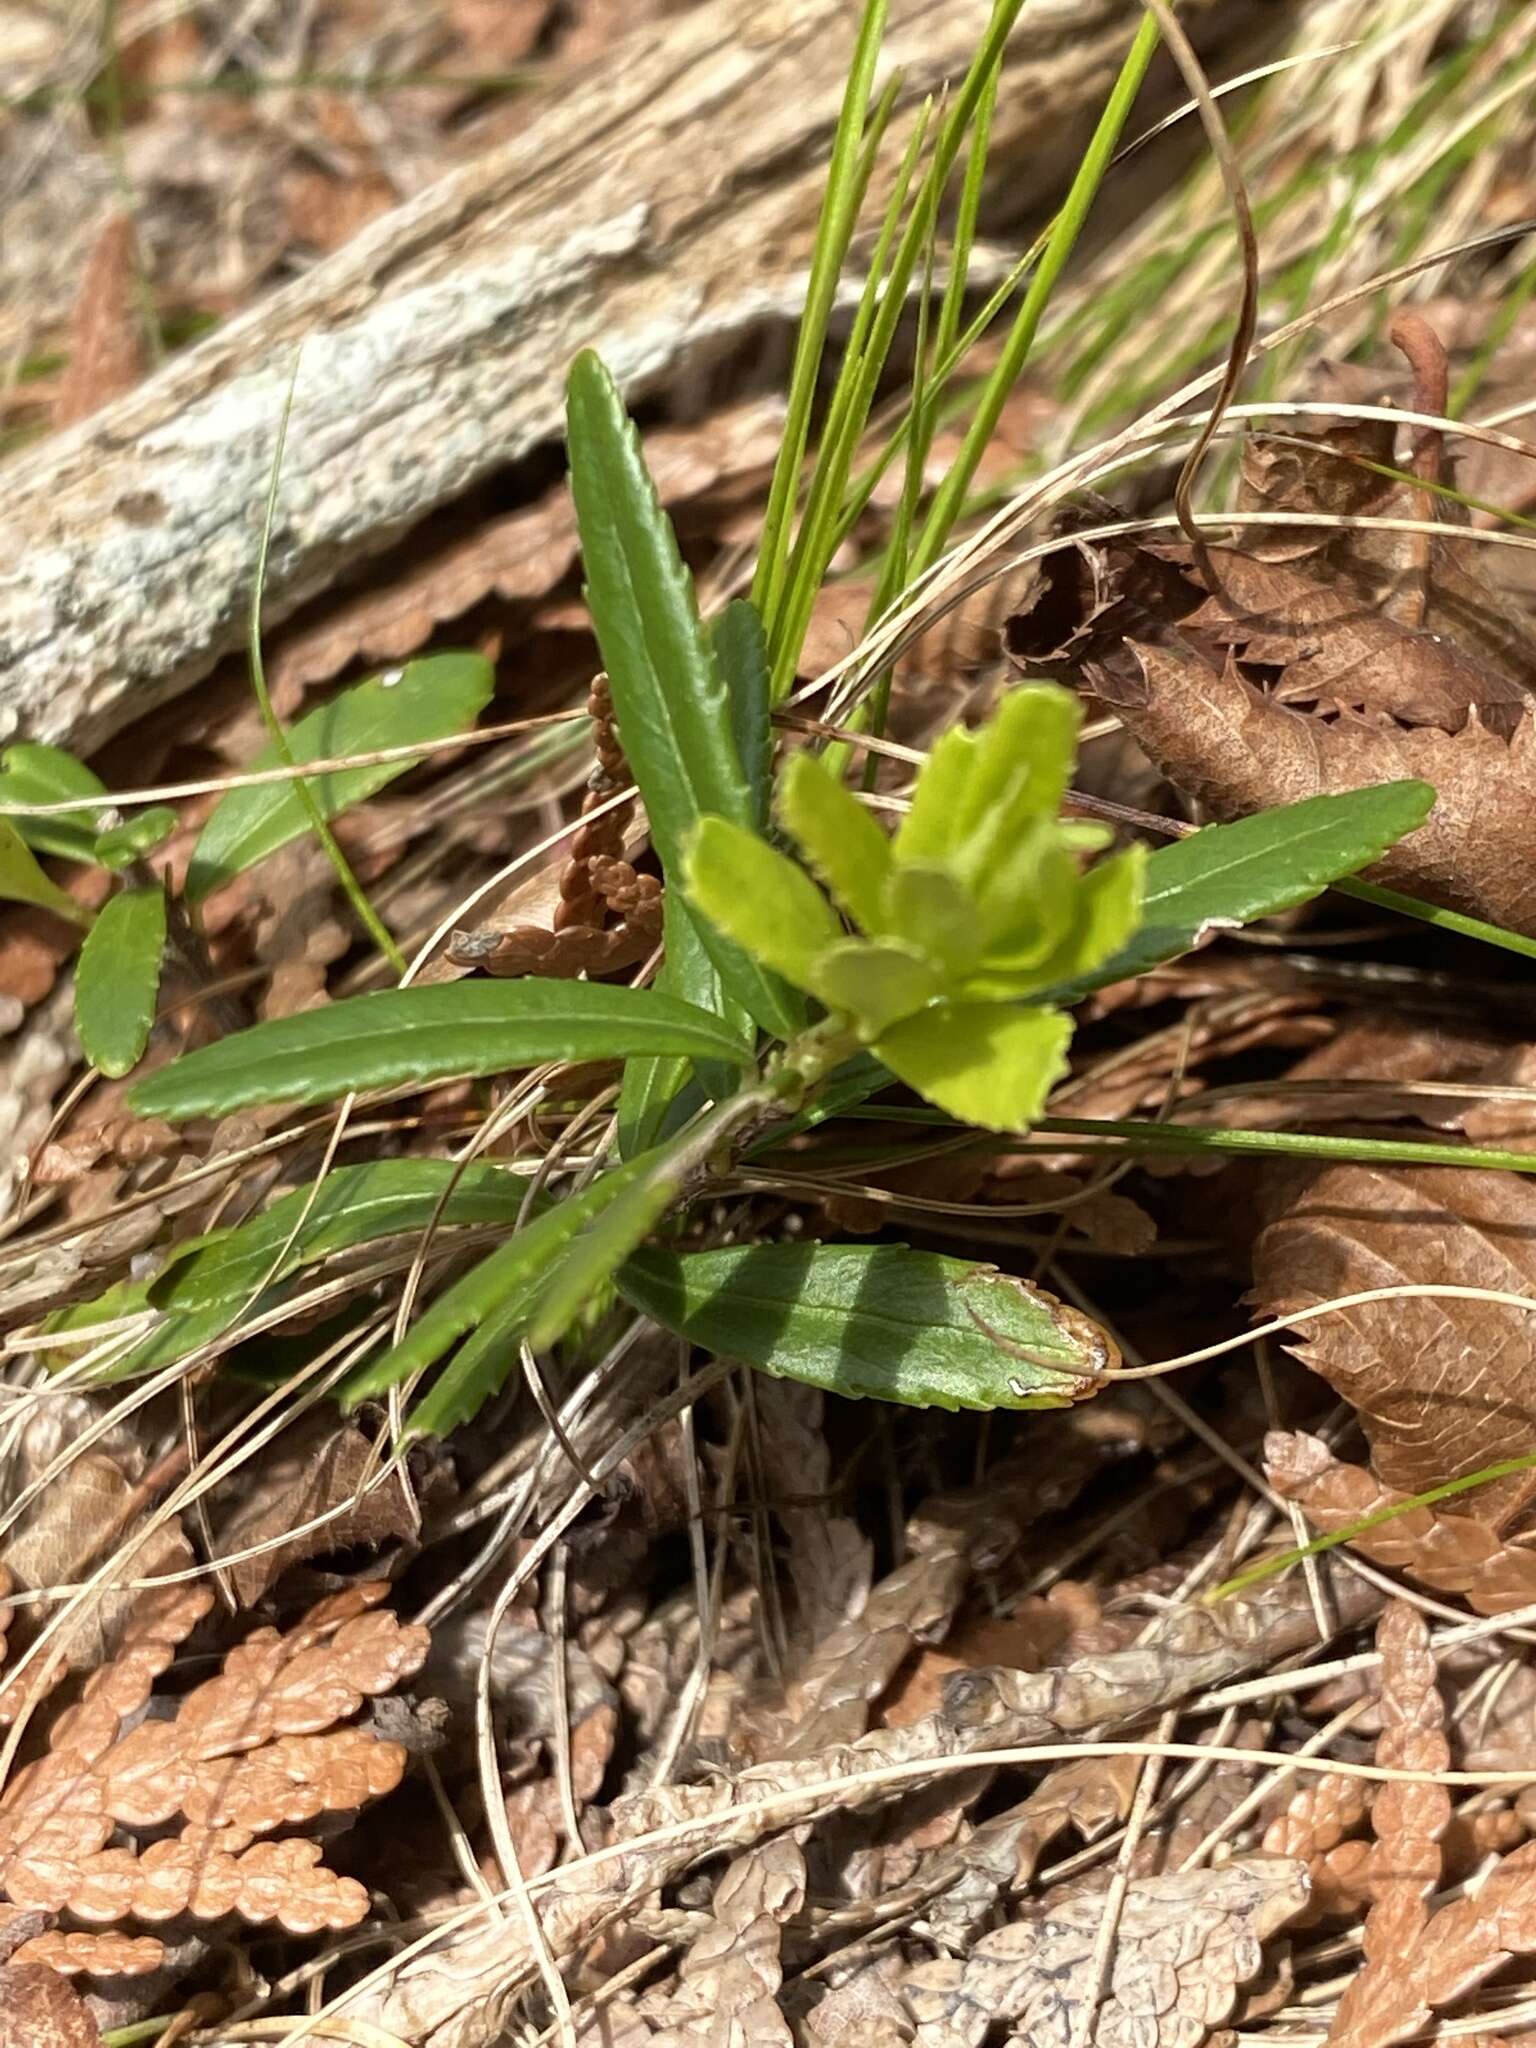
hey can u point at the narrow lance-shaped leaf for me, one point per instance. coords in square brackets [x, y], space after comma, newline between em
[117, 979]
[655, 1090]
[879, 1321]
[670, 701]
[23, 881]
[426, 700]
[353, 1205]
[413, 1036]
[1224, 876]
[489, 1306]
[741, 649]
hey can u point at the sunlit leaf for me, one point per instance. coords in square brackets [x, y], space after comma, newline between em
[840, 840]
[989, 1064]
[1223, 877]
[408, 1036]
[760, 898]
[353, 1205]
[879, 1321]
[121, 845]
[876, 981]
[978, 790]
[117, 979]
[425, 700]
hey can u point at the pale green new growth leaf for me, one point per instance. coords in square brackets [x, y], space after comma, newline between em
[875, 980]
[426, 700]
[979, 789]
[840, 840]
[23, 881]
[1106, 907]
[986, 1063]
[412, 1036]
[761, 899]
[117, 979]
[879, 1321]
[932, 910]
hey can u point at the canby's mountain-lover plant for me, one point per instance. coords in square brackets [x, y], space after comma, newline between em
[944, 956]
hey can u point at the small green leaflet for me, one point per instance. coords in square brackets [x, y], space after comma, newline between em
[989, 1064]
[23, 881]
[424, 701]
[406, 1036]
[878, 1321]
[354, 1205]
[490, 1307]
[117, 979]
[1228, 875]
[674, 713]
[31, 773]
[122, 845]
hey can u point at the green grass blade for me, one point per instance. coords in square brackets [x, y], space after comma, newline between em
[847, 173]
[949, 500]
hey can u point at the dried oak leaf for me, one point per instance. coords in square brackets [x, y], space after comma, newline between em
[1397, 642]
[1448, 1553]
[256, 1747]
[1185, 1947]
[1442, 1387]
[321, 1485]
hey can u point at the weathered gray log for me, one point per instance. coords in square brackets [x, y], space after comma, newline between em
[659, 206]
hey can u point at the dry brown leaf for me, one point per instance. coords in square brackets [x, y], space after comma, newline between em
[106, 332]
[1441, 1386]
[730, 1976]
[316, 1468]
[1185, 1947]
[1447, 1552]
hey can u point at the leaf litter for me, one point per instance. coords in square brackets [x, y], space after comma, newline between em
[727, 1719]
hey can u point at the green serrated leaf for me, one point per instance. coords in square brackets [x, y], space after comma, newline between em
[413, 1036]
[978, 790]
[841, 842]
[1104, 908]
[759, 898]
[490, 1306]
[1226, 875]
[930, 909]
[123, 844]
[591, 1259]
[670, 700]
[652, 1092]
[877, 1321]
[426, 700]
[875, 981]
[354, 1205]
[741, 650]
[117, 979]
[23, 881]
[33, 773]
[988, 1064]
